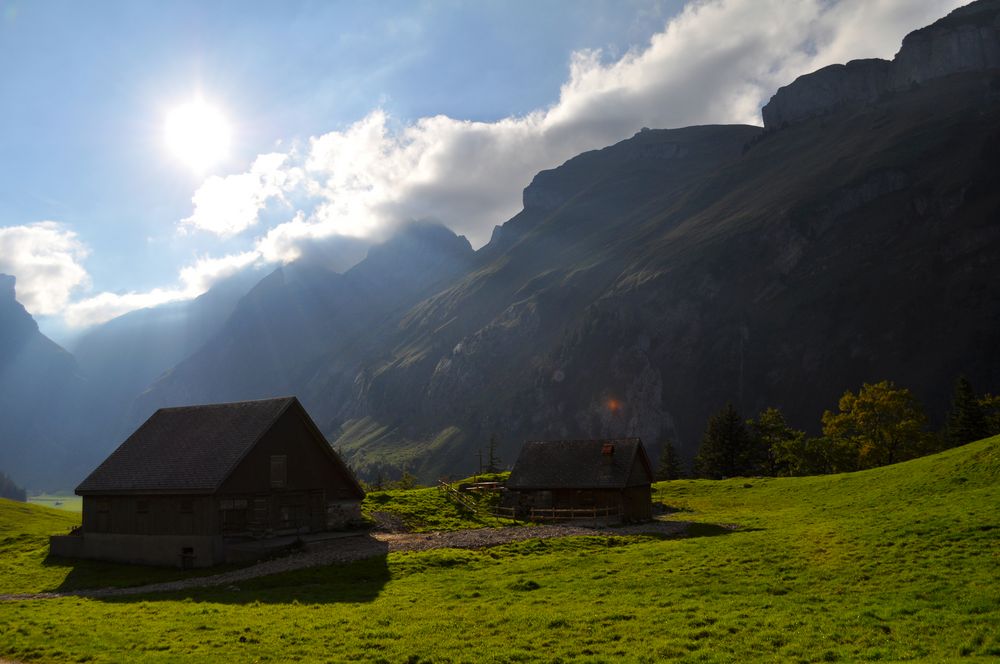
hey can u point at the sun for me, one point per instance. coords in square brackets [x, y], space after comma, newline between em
[197, 134]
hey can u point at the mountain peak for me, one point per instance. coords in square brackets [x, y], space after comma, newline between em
[7, 290]
[967, 39]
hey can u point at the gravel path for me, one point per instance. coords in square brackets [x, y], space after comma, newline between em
[369, 545]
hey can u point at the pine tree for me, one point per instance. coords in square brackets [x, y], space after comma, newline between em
[774, 443]
[726, 448]
[10, 490]
[670, 467]
[493, 458]
[966, 420]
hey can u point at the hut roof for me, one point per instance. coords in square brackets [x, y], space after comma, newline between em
[580, 464]
[190, 449]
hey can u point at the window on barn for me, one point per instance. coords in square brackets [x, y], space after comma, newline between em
[279, 470]
[233, 514]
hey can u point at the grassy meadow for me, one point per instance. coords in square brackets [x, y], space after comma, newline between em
[897, 563]
[68, 502]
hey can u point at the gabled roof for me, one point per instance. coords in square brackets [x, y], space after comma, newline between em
[580, 464]
[188, 449]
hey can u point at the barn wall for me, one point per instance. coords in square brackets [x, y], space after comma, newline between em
[309, 466]
[150, 515]
[318, 493]
[160, 550]
[637, 503]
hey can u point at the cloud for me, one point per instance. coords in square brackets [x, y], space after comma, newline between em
[194, 279]
[715, 62]
[229, 205]
[46, 259]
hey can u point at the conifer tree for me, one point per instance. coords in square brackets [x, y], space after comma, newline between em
[493, 460]
[774, 442]
[670, 467]
[726, 447]
[966, 420]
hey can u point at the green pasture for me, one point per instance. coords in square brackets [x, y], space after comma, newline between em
[894, 564]
[68, 502]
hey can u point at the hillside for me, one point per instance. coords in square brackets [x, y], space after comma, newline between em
[665, 275]
[668, 274]
[888, 564]
[41, 398]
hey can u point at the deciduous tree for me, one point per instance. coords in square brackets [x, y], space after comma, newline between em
[882, 423]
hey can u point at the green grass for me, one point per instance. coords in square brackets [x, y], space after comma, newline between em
[429, 509]
[69, 502]
[898, 563]
[26, 567]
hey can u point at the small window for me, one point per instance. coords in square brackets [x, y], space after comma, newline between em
[279, 470]
[142, 507]
[186, 506]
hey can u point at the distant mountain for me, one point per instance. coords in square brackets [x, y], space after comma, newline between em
[301, 315]
[645, 285]
[41, 392]
[123, 356]
[854, 238]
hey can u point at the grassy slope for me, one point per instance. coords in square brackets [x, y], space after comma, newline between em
[429, 509]
[895, 563]
[26, 568]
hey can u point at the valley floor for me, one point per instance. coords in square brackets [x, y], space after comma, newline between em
[893, 564]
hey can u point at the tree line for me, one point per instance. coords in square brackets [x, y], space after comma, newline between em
[10, 490]
[881, 424]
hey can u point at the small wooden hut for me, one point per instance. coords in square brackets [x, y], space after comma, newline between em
[578, 479]
[193, 482]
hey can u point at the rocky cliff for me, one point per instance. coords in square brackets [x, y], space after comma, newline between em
[41, 395]
[967, 40]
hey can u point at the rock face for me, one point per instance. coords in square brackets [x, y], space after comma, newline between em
[41, 396]
[966, 40]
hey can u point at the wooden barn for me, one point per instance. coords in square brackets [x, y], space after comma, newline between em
[193, 484]
[565, 479]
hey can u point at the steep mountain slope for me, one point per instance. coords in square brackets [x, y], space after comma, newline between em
[808, 259]
[646, 284]
[121, 357]
[270, 344]
[41, 393]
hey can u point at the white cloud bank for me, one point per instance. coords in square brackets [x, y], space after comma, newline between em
[195, 279]
[716, 62]
[46, 259]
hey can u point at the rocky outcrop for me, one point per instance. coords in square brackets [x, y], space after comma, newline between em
[968, 39]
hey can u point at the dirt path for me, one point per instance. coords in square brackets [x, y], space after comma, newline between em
[369, 545]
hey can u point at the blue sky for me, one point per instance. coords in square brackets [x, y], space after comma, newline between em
[368, 111]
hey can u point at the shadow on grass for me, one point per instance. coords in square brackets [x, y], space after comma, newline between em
[353, 582]
[90, 574]
[696, 529]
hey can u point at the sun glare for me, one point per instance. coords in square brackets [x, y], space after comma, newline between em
[197, 134]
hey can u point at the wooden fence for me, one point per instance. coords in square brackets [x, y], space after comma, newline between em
[562, 514]
[456, 497]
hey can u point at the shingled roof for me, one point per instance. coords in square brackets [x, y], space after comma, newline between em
[580, 464]
[187, 449]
